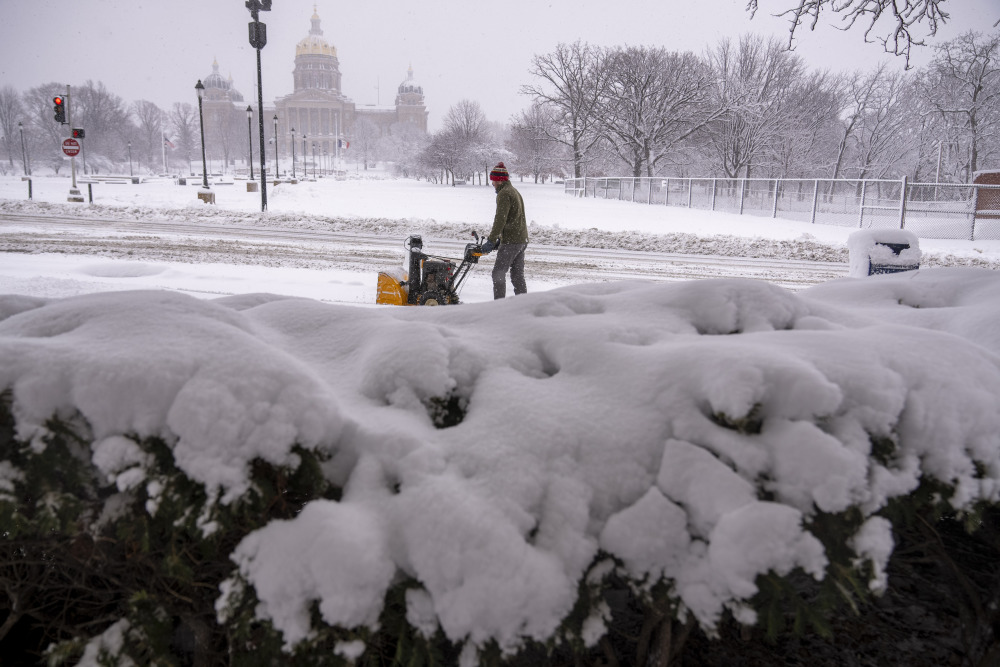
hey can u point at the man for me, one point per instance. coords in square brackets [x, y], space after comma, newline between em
[509, 234]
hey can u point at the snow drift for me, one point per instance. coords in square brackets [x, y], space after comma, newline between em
[500, 453]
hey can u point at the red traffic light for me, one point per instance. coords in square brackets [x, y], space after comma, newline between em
[59, 108]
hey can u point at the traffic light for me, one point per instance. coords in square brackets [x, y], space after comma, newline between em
[60, 108]
[78, 133]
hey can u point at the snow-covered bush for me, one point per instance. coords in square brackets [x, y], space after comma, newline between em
[259, 477]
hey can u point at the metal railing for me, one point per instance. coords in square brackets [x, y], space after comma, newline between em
[929, 210]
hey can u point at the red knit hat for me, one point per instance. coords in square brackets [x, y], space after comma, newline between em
[499, 173]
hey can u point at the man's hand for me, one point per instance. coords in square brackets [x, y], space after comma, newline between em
[488, 246]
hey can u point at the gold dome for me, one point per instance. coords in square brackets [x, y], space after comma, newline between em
[314, 44]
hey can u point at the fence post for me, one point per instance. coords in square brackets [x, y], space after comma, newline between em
[902, 203]
[743, 189]
[861, 216]
[649, 192]
[812, 216]
[715, 182]
[774, 207]
[975, 207]
[690, 187]
[666, 193]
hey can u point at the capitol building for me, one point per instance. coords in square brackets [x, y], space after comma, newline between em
[317, 113]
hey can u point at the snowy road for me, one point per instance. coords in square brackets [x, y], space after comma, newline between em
[366, 253]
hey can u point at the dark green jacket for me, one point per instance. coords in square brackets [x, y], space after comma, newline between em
[509, 224]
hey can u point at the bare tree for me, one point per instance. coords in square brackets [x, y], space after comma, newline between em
[105, 117]
[183, 119]
[573, 82]
[225, 132]
[655, 101]
[492, 148]
[443, 154]
[467, 120]
[859, 93]
[882, 138]
[466, 124]
[46, 134]
[533, 152]
[466, 127]
[365, 141]
[963, 87]
[809, 141]
[754, 82]
[402, 145]
[905, 14]
[149, 127]
[11, 112]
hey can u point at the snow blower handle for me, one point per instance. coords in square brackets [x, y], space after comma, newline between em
[473, 251]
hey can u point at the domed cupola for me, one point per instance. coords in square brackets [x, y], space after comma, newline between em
[314, 43]
[215, 80]
[410, 92]
[218, 87]
[316, 64]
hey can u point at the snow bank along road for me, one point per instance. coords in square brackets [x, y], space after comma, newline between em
[372, 247]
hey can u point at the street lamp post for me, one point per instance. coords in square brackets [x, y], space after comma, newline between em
[24, 159]
[130, 159]
[258, 39]
[250, 141]
[305, 167]
[275, 135]
[293, 152]
[314, 159]
[205, 194]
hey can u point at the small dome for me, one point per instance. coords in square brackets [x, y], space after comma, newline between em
[410, 85]
[218, 87]
[216, 80]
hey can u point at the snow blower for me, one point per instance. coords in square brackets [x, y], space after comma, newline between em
[426, 280]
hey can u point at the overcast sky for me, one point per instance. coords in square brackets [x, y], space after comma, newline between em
[479, 50]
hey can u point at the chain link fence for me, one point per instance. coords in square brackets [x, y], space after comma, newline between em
[929, 210]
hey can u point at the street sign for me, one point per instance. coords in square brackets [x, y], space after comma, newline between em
[71, 147]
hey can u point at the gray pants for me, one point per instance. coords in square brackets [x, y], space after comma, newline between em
[510, 256]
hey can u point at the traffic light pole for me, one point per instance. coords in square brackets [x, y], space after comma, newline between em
[74, 192]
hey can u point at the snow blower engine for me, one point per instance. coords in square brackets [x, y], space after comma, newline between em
[426, 280]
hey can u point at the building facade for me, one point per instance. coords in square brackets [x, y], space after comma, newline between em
[224, 111]
[317, 115]
[319, 112]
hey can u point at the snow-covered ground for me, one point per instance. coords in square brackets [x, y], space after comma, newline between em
[66, 262]
[689, 430]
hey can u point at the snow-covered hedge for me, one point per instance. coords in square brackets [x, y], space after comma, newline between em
[469, 483]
